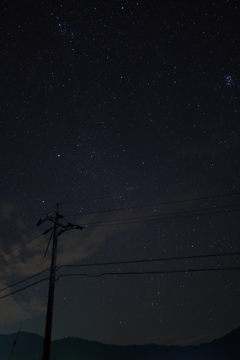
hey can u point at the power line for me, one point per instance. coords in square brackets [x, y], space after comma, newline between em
[126, 262]
[7, 242]
[150, 272]
[25, 311]
[44, 213]
[33, 247]
[21, 281]
[173, 213]
[186, 271]
[152, 260]
[129, 208]
[155, 218]
[134, 207]
[27, 242]
[36, 237]
[159, 218]
[156, 204]
[25, 287]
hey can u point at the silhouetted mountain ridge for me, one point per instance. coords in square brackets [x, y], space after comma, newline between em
[29, 347]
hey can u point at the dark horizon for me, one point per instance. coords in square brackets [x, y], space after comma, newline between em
[29, 344]
[18, 334]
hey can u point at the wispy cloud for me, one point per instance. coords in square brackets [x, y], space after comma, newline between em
[7, 210]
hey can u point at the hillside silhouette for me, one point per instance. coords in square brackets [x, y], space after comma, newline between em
[30, 346]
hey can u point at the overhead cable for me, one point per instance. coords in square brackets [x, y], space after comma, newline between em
[126, 262]
[21, 281]
[186, 271]
[24, 231]
[33, 247]
[171, 213]
[161, 218]
[157, 204]
[27, 242]
[26, 309]
[25, 287]
[7, 242]
[152, 260]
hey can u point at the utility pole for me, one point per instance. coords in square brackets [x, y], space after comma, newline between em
[48, 327]
[64, 227]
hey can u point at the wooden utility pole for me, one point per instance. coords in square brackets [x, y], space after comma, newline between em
[64, 227]
[48, 327]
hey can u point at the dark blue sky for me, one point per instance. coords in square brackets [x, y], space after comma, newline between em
[116, 104]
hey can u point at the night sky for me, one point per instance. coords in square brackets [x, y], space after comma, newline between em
[111, 105]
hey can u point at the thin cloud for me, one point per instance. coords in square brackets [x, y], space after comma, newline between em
[7, 211]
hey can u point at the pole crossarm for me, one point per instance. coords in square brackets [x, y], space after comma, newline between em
[64, 226]
[70, 226]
